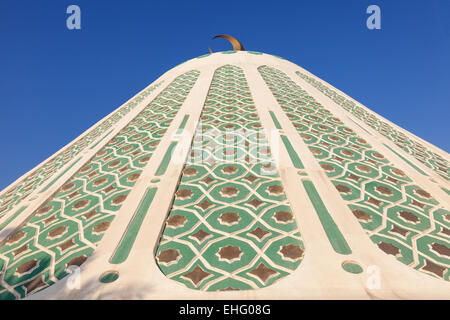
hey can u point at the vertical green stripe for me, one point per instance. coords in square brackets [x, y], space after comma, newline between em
[183, 123]
[13, 217]
[334, 235]
[406, 160]
[126, 243]
[166, 160]
[168, 156]
[275, 120]
[292, 154]
[59, 176]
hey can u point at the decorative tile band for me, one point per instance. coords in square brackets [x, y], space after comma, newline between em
[60, 175]
[408, 144]
[19, 211]
[406, 160]
[360, 126]
[230, 227]
[400, 217]
[65, 230]
[104, 137]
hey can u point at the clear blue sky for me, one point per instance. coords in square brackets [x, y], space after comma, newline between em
[55, 83]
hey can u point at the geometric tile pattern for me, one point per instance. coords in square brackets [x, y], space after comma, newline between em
[41, 174]
[67, 228]
[407, 144]
[231, 226]
[401, 218]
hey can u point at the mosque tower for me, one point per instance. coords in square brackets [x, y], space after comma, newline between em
[235, 175]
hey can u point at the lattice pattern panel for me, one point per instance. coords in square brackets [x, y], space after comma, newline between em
[401, 218]
[407, 144]
[67, 228]
[40, 175]
[230, 227]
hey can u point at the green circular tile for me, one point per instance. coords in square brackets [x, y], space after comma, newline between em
[352, 266]
[109, 276]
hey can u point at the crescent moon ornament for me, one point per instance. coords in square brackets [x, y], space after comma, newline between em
[237, 45]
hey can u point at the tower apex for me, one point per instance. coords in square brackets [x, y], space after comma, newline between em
[237, 45]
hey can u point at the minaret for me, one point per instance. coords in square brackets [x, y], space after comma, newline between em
[235, 175]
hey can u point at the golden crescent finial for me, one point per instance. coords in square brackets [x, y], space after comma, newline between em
[237, 45]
